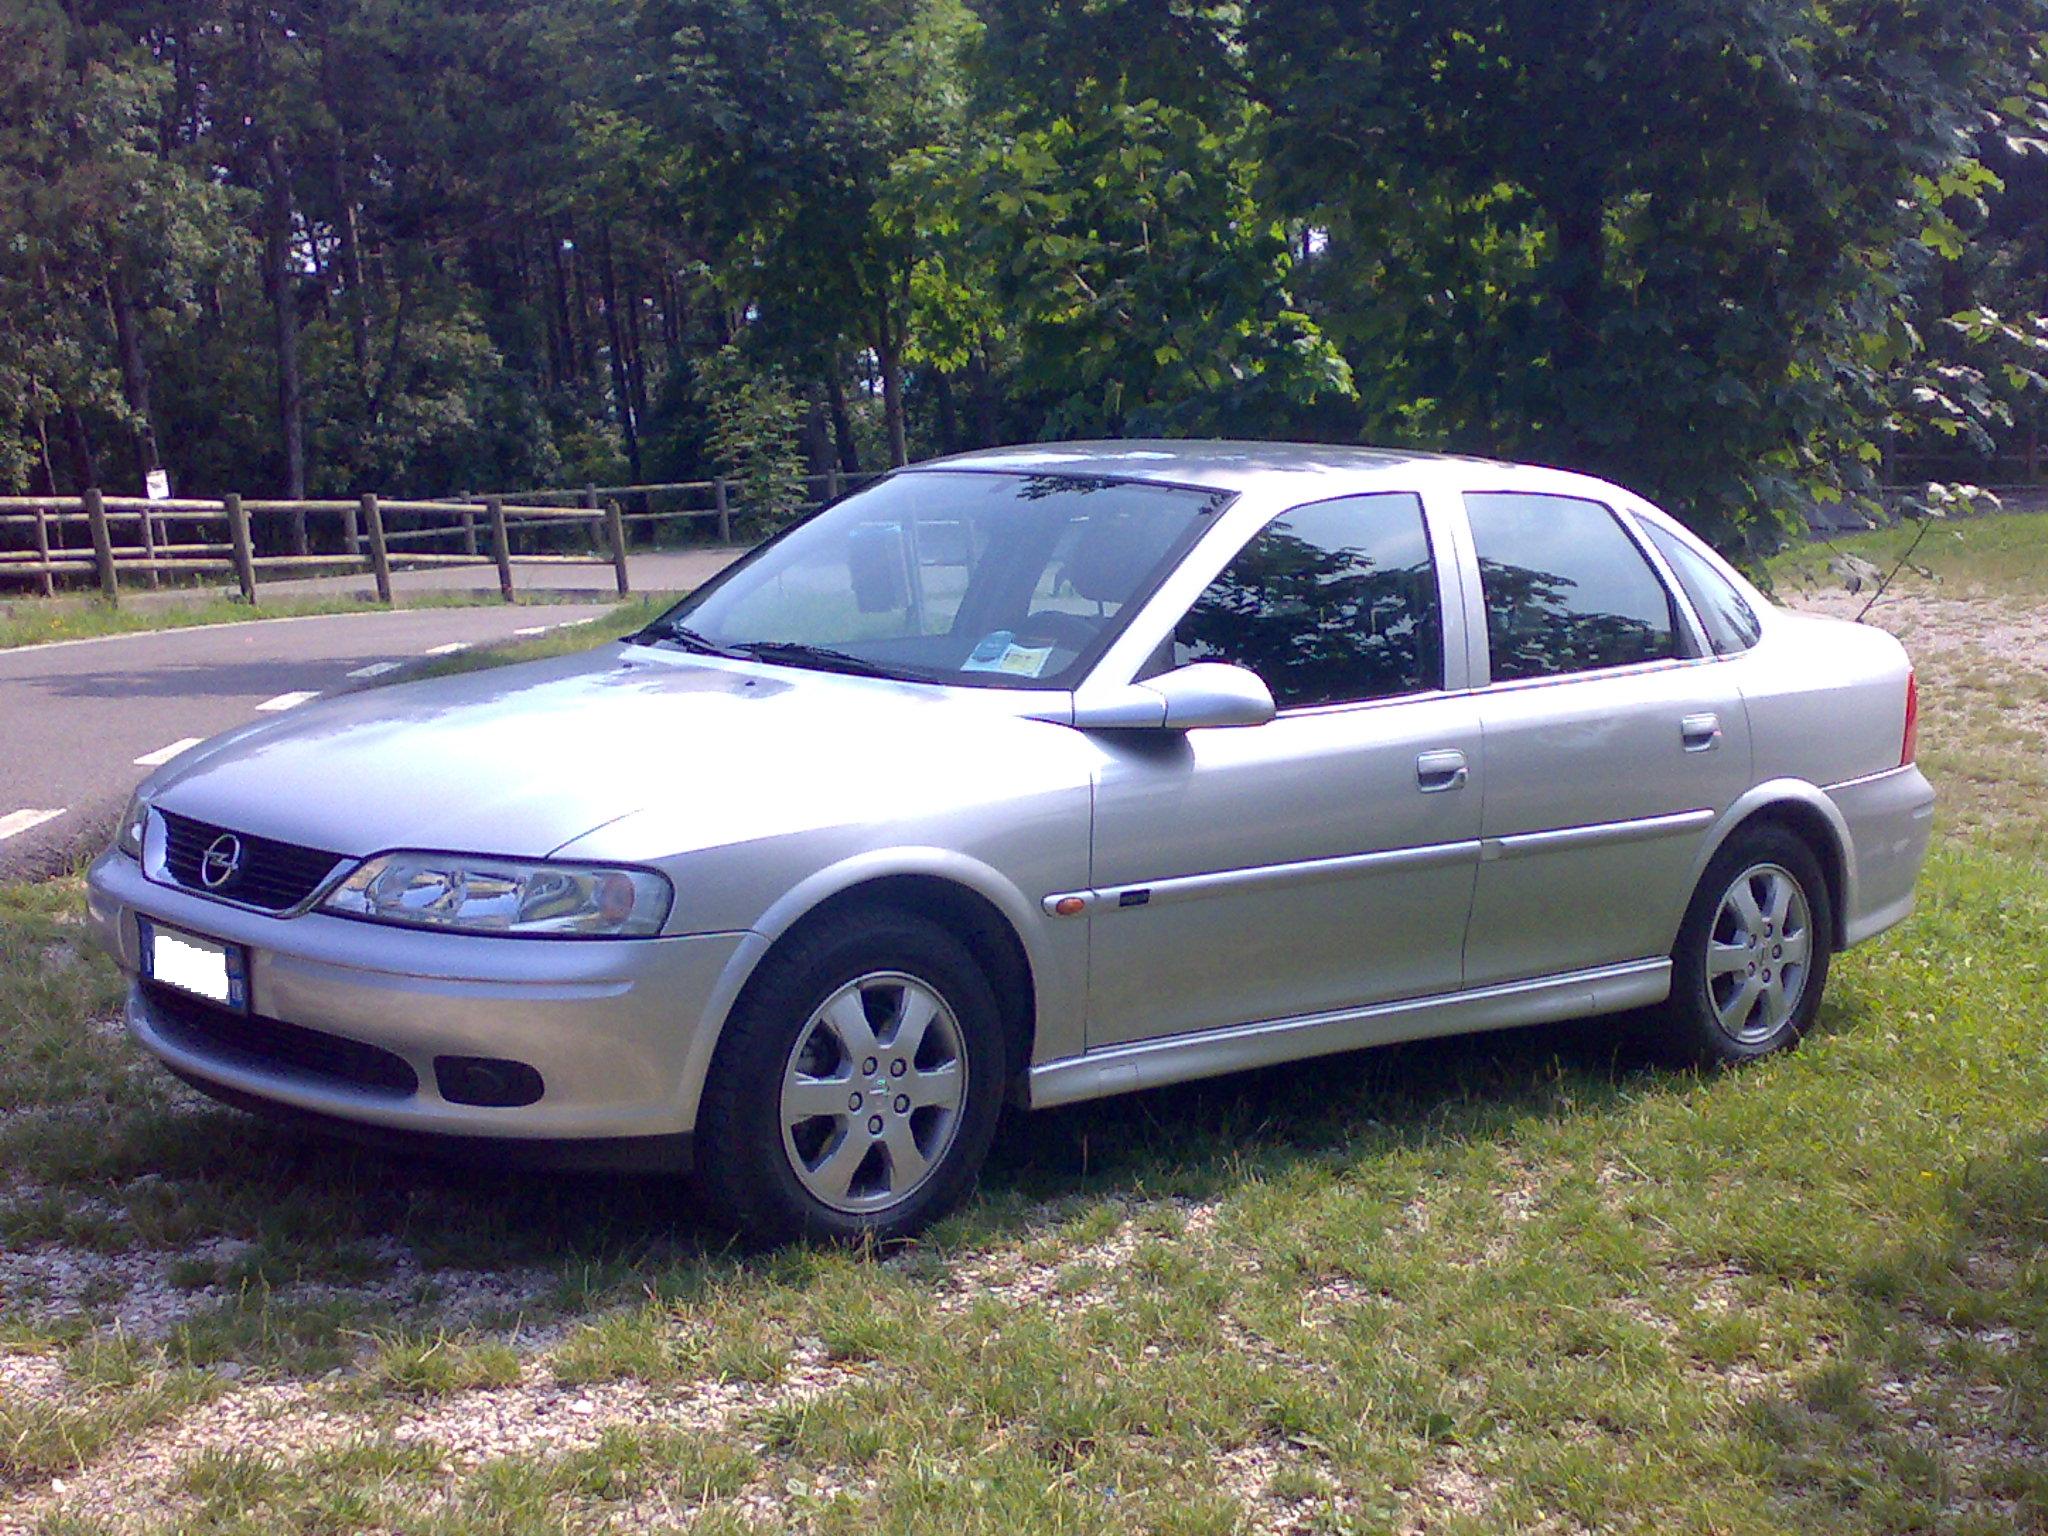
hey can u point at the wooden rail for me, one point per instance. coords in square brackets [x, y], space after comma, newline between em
[369, 547]
[483, 526]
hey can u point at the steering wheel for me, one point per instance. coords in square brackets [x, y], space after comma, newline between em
[1073, 630]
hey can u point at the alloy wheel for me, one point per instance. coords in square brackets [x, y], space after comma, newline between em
[1759, 953]
[872, 1092]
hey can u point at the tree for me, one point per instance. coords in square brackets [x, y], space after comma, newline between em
[1661, 238]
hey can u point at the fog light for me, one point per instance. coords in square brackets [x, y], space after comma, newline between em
[487, 1082]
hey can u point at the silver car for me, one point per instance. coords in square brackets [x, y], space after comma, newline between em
[1026, 777]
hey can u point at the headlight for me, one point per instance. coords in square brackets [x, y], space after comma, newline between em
[128, 835]
[473, 894]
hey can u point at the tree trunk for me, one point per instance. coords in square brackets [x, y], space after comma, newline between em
[85, 469]
[284, 301]
[842, 428]
[817, 436]
[355, 301]
[559, 267]
[134, 374]
[949, 418]
[888, 357]
[622, 389]
[981, 395]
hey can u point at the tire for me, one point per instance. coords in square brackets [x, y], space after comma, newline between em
[818, 1119]
[1743, 920]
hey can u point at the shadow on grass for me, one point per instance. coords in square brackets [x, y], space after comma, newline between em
[1933, 1414]
[311, 1204]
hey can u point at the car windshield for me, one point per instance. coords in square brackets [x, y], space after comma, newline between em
[954, 576]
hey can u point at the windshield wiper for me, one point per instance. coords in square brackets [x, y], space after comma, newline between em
[823, 657]
[680, 634]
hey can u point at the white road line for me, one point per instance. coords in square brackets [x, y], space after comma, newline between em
[572, 623]
[288, 700]
[375, 669]
[21, 821]
[165, 754]
[534, 629]
[449, 649]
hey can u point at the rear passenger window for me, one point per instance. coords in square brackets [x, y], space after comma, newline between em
[1731, 624]
[1566, 588]
[1330, 604]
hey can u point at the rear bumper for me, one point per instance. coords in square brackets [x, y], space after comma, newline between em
[1890, 817]
[608, 1025]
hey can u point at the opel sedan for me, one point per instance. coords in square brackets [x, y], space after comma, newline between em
[1021, 778]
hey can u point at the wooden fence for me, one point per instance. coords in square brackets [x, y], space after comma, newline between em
[132, 537]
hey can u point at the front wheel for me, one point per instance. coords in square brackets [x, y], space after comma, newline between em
[1752, 955]
[858, 1084]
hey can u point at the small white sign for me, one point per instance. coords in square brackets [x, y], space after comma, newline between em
[157, 485]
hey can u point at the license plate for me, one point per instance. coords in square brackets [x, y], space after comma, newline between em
[204, 967]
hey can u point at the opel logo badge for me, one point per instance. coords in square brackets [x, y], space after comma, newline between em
[221, 862]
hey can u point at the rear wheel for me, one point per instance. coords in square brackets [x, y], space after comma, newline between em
[857, 1086]
[1752, 955]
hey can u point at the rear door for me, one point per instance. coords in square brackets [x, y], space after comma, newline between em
[1613, 741]
[1321, 860]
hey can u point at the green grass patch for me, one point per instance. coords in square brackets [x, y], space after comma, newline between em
[1509, 1282]
[1999, 555]
[41, 621]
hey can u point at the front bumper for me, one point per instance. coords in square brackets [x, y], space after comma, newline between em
[608, 1024]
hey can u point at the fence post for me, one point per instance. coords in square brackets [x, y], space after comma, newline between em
[834, 485]
[102, 545]
[501, 548]
[469, 533]
[238, 535]
[352, 528]
[724, 511]
[149, 547]
[615, 526]
[380, 560]
[43, 549]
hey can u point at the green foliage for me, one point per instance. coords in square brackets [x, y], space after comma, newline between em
[753, 436]
[1147, 291]
[1749, 259]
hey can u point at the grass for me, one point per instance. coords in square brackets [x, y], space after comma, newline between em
[1509, 1283]
[41, 621]
[1999, 556]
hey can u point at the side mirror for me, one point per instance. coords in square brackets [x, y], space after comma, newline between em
[1201, 695]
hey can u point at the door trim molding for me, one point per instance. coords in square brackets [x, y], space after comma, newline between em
[1139, 1064]
[1258, 877]
[1519, 845]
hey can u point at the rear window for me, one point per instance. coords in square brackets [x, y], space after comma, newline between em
[1730, 622]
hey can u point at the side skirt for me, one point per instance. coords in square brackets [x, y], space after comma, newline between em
[1182, 1058]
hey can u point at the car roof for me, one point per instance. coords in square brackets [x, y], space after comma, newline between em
[1232, 465]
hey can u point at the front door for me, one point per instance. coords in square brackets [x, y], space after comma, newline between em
[1322, 860]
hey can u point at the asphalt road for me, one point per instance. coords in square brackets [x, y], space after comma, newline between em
[81, 722]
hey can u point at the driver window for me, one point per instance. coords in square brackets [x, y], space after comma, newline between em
[1331, 603]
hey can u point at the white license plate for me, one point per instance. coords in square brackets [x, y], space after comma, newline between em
[204, 967]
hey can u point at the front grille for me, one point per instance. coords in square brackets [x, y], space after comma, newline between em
[249, 1040]
[271, 875]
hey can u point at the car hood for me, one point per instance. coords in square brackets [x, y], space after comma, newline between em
[520, 760]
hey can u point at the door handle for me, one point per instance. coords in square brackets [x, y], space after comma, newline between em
[1701, 733]
[1436, 772]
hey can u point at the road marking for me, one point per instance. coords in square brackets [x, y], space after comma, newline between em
[21, 821]
[449, 649]
[165, 754]
[534, 629]
[288, 700]
[572, 623]
[375, 669]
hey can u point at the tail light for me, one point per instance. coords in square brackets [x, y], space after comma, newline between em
[1910, 746]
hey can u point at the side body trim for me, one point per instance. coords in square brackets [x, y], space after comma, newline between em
[1643, 828]
[1260, 877]
[1181, 1058]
